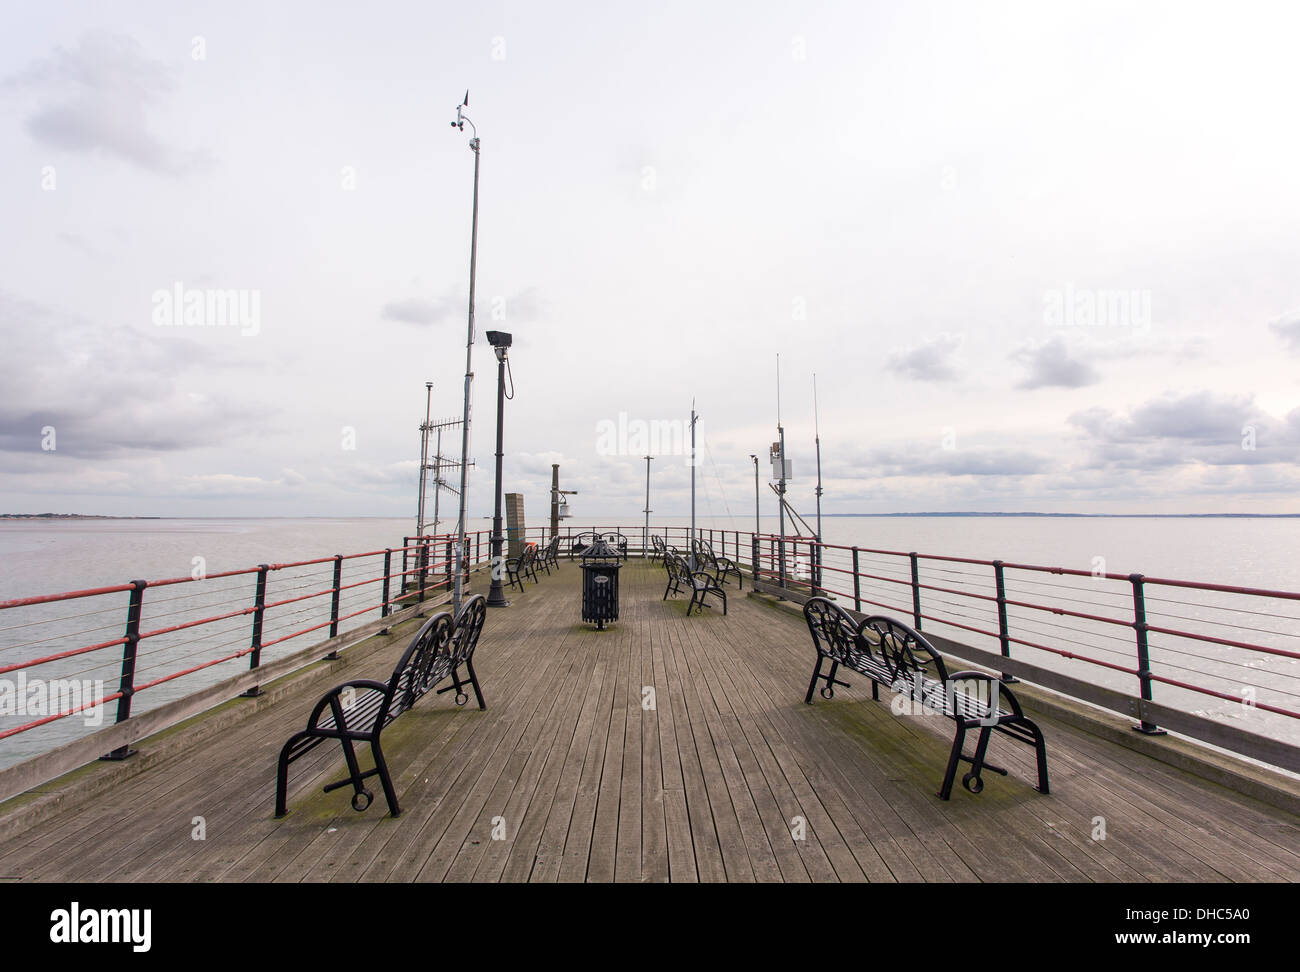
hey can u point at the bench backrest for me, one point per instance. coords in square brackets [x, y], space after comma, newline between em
[441, 644]
[678, 568]
[409, 680]
[834, 632]
[905, 651]
[469, 625]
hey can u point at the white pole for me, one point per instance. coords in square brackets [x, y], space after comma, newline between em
[694, 418]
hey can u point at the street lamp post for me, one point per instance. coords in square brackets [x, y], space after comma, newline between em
[459, 124]
[645, 536]
[500, 342]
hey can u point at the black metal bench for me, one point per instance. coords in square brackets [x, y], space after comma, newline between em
[657, 547]
[719, 567]
[581, 542]
[617, 541]
[890, 653]
[700, 583]
[550, 555]
[358, 711]
[525, 565]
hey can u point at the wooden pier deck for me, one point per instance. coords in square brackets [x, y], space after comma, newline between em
[584, 782]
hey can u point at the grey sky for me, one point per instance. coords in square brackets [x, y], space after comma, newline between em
[1040, 256]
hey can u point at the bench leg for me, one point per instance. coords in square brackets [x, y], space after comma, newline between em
[385, 780]
[812, 684]
[958, 742]
[972, 780]
[473, 680]
[354, 772]
[1040, 749]
[282, 777]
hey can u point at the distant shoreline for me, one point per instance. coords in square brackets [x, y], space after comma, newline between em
[76, 516]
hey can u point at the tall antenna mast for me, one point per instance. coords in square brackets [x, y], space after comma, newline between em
[694, 419]
[424, 458]
[459, 124]
[817, 438]
[781, 473]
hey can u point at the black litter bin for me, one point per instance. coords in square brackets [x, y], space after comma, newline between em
[600, 591]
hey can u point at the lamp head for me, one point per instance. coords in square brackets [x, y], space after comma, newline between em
[500, 340]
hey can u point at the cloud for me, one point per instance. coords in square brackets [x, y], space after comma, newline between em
[917, 460]
[415, 310]
[97, 99]
[1288, 329]
[931, 361]
[1200, 427]
[107, 390]
[1050, 364]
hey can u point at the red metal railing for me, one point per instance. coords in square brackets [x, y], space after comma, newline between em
[1230, 643]
[203, 625]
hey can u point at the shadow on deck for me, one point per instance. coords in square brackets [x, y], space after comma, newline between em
[659, 749]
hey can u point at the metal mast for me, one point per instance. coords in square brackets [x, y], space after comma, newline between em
[817, 438]
[424, 458]
[780, 489]
[459, 123]
[694, 419]
[645, 536]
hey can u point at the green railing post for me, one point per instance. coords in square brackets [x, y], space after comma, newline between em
[1143, 652]
[916, 592]
[1004, 635]
[259, 609]
[126, 684]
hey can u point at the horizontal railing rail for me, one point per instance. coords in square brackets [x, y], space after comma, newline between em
[79, 652]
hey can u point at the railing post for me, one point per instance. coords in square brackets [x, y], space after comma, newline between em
[916, 592]
[126, 684]
[857, 584]
[1004, 636]
[334, 602]
[384, 608]
[259, 610]
[1143, 653]
[406, 542]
